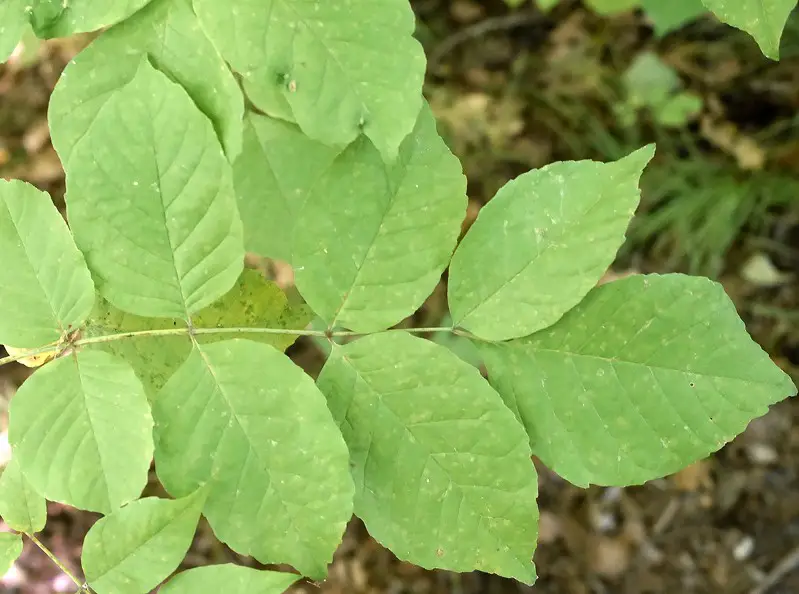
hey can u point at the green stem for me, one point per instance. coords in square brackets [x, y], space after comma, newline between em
[82, 587]
[201, 331]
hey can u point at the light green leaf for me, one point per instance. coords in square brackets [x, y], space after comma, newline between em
[276, 169]
[62, 18]
[679, 110]
[764, 20]
[253, 303]
[230, 579]
[150, 196]
[610, 7]
[541, 244]
[442, 470]
[649, 81]
[81, 430]
[10, 550]
[167, 31]
[241, 416]
[13, 20]
[647, 375]
[670, 16]
[21, 507]
[372, 240]
[546, 5]
[45, 288]
[132, 550]
[343, 67]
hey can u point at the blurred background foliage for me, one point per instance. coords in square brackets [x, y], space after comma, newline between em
[515, 85]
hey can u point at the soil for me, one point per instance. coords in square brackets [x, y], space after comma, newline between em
[513, 91]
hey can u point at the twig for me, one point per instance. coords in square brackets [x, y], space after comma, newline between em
[787, 564]
[82, 586]
[484, 27]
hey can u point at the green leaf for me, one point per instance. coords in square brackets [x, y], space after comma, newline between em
[277, 168]
[13, 20]
[132, 550]
[343, 68]
[679, 110]
[372, 240]
[21, 507]
[647, 375]
[649, 81]
[230, 579]
[541, 244]
[167, 31]
[62, 18]
[150, 196]
[241, 416]
[254, 302]
[546, 5]
[611, 7]
[764, 20]
[45, 288]
[10, 550]
[670, 16]
[442, 470]
[82, 431]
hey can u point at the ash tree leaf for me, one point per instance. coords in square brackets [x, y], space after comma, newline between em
[276, 169]
[45, 287]
[242, 417]
[442, 470]
[254, 302]
[764, 20]
[372, 240]
[541, 244]
[168, 32]
[21, 507]
[13, 20]
[10, 550]
[135, 548]
[150, 197]
[647, 375]
[230, 579]
[62, 18]
[81, 430]
[670, 16]
[339, 68]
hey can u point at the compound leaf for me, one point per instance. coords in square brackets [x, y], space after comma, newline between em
[277, 167]
[169, 33]
[21, 507]
[81, 430]
[10, 550]
[340, 68]
[228, 578]
[372, 240]
[133, 549]
[13, 20]
[442, 469]
[541, 244]
[669, 16]
[253, 302]
[242, 417]
[62, 18]
[150, 197]
[647, 375]
[45, 287]
[764, 20]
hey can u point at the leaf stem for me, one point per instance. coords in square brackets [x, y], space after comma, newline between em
[210, 331]
[82, 586]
